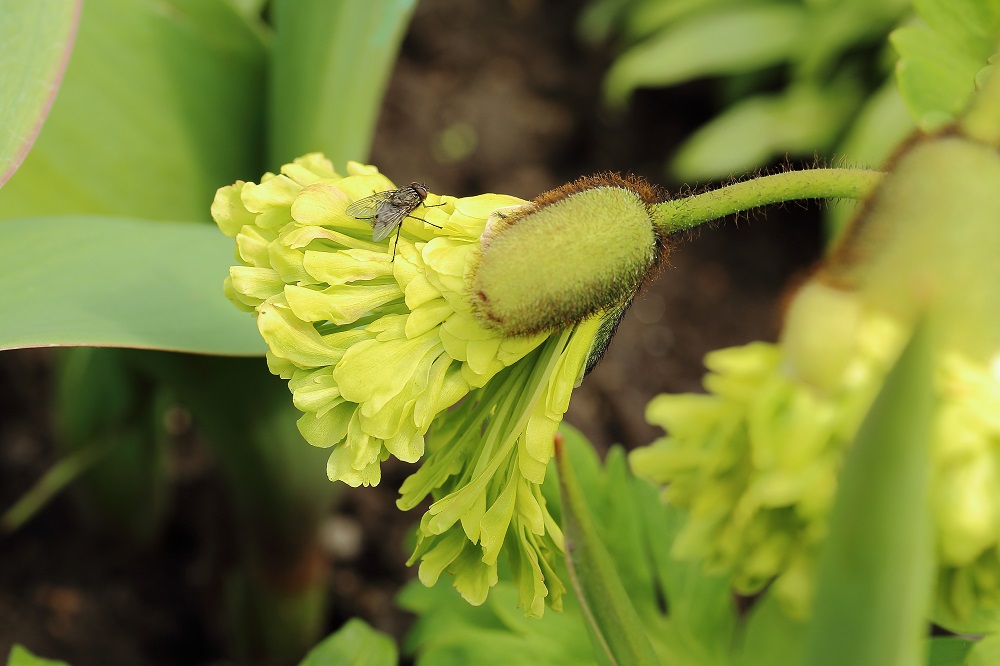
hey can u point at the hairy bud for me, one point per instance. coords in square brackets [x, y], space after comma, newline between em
[573, 252]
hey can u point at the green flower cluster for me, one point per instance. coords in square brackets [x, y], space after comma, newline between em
[755, 463]
[376, 349]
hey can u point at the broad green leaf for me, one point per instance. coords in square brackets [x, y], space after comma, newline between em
[616, 633]
[939, 61]
[803, 120]
[970, 25]
[354, 644]
[330, 66]
[729, 41]
[36, 39]
[19, 656]
[771, 636]
[450, 632]
[876, 565]
[952, 651]
[834, 28]
[701, 619]
[934, 77]
[652, 16]
[115, 282]
[161, 104]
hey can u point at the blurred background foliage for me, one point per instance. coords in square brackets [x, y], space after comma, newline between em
[164, 101]
[838, 82]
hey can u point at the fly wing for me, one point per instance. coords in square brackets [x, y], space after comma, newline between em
[368, 208]
[385, 221]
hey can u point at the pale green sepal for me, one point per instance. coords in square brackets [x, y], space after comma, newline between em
[427, 317]
[529, 506]
[292, 338]
[377, 371]
[275, 193]
[433, 562]
[497, 519]
[473, 577]
[255, 283]
[341, 304]
[314, 390]
[228, 210]
[347, 265]
[327, 430]
[252, 246]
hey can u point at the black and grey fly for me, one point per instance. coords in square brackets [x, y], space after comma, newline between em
[388, 209]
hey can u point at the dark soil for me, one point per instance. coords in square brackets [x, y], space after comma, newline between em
[487, 96]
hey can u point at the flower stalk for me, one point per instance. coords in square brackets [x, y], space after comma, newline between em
[688, 212]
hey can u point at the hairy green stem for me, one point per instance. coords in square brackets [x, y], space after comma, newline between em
[688, 212]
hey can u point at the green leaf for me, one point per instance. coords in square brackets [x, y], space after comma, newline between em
[161, 104]
[729, 41]
[450, 632]
[330, 66]
[652, 16]
[834, 29]
[114, 282]
[939, 61]
[771, 636]
[952, 651]
[969, 25]
[876, 565]
[19, 656]
[614, 627]
[803, 120]
[36, 39]
[354, 644]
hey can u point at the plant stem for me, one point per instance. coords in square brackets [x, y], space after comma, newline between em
[688, 212]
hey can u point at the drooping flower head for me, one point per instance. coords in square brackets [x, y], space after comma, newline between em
[404, 352]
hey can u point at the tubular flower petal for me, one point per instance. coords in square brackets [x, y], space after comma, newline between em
[385, 356]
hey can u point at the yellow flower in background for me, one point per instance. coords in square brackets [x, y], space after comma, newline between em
[756, 461]
[378, 341]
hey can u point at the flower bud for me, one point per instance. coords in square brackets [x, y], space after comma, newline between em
[580, 249]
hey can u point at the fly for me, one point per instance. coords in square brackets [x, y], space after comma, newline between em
[388, 209]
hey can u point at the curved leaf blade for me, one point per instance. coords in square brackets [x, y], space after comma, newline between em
[354, 644]
[730, 41]
[876, 567]
[162, 102]
[330, 65]
[36, 39]
[116, 282]
[612, 622]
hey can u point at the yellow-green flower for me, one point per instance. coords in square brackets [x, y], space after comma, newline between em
[379, 344]
[756, 461]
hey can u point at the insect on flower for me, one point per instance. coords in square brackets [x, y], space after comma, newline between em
[388, 209]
